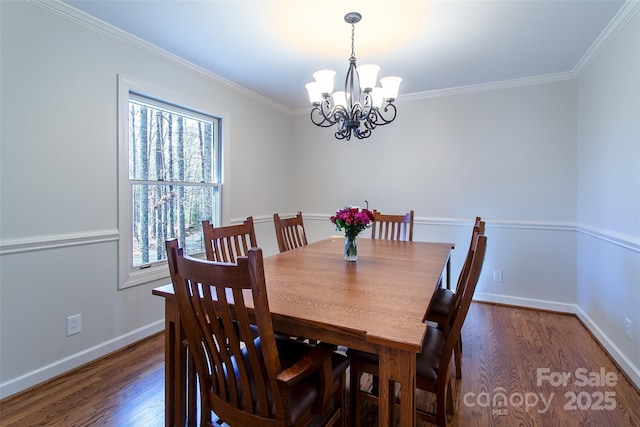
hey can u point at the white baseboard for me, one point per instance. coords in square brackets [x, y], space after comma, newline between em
[632, 371]
[61, 366]
[525, 302]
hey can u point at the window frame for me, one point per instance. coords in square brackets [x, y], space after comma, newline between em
[128, 275]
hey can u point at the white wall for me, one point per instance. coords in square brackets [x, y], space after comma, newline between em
[608, 203]
[554, 169]
[58, 182]
[522, 158]
[507, 155]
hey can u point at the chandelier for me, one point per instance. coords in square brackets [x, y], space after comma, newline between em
[362, 106]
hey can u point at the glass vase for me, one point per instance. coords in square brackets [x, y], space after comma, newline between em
[350, 248]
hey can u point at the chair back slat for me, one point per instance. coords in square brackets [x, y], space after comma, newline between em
[238, 369]
[226, 244]
[290, 232]
[478, 228]
[392, 227]
[467, 290]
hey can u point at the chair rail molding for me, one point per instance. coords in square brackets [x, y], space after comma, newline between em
[628, 242]
[466, 222]
[46, 242]
[56, 241]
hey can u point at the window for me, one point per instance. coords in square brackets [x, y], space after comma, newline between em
[173, 182]
[173, 175]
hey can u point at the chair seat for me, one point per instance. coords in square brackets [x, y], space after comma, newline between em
[305, 393]
[290, 351]
[441, 305]
[427, 361]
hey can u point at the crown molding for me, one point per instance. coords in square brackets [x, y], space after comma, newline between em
[624, 15]
[110, 31]
[622, 18]
[482, 87]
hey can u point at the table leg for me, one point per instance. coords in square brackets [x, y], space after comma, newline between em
[397, 366]
[449, 272]
[175, 367]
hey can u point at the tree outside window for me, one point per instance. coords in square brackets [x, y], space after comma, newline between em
[174, 177]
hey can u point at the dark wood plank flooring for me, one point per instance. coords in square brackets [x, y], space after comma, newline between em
[504, 347]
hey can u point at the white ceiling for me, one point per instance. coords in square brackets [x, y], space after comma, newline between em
[273, 47]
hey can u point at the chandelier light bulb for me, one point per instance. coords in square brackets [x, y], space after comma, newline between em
[340, 97]
[315, 96]
[377, 97]
[368, 75]
[324, 78]
[390, 87]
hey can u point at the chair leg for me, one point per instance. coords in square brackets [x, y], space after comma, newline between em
[195, 388]
[457, 355]
[343, 400]
[441, 411]
[354, 393]
[449, 399]
[375, 386]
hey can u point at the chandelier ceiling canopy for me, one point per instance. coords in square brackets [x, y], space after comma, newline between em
[361, 106]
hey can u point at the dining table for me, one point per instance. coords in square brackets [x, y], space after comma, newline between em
[376, 304]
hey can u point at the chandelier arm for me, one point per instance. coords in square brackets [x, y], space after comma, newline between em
[363, 134]
[344, 124]
[343, 134]
[339, 114]
[320, 116]
[362, 109]
[387, 114]
[372, 121]
[318, 119]
[367, 103]
[325, 115]
[328, 110]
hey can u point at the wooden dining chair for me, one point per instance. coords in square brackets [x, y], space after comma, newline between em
[291, 235]
[433, 362]
[289, 232]
[442, 308]
[227, 243]
[392, 227]
[247, 381]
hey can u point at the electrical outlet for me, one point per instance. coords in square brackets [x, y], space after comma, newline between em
[497, 275]
[73, 325]
[627, 327]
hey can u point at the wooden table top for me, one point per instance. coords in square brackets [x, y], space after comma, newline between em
[382, 298]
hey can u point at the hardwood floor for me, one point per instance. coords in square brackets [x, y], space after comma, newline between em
[512, 348]
[506, 350]
[125, 388]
